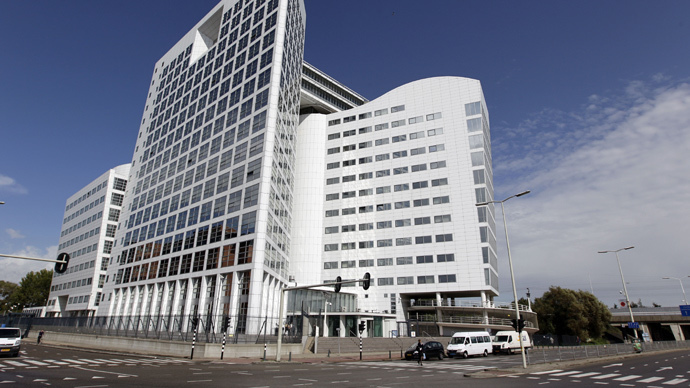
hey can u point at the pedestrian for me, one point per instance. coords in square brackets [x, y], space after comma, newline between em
[420, 351]
[40, 335]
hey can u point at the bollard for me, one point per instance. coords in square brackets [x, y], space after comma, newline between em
[264, 352]
[222, 348]
[401, 356]
[191, 356]
[329, 352]
[290, 356]
[389, 355]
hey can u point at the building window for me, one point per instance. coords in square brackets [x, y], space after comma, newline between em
[425, 279]
[446, 278]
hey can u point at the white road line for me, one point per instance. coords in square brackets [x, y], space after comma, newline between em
[106, 372]
[572, 372]
[587, 374]
[674, 381]
[35, 362]
[546, 372]
[73, 361]
[650, 379]
[626, 378]
[57, 362]
[88, 361]
[16, 363]
[607, 376]
[198, 381]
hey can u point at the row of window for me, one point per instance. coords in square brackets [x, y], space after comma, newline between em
[215, 164]
[118, 183]
[384, 111]
[72, 284]
[78, 225]
[78, 267]
[86, 208]
[198, 214]
[388, 206]
[400, 241]
[385, 262]
[386, 224]
[82, 237]
[208, 234]
[220, 257]
[385, 140]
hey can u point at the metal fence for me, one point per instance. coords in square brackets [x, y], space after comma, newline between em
[544, 354]
[210, 329]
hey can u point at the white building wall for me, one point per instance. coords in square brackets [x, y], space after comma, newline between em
[429, 104]
[84, 235]
[307, 225]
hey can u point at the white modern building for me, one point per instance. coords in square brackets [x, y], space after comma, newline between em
[253, 170]
[87, 235]
[390, 188]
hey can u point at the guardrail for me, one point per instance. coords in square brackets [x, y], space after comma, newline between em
[544, 354]
[468, 304]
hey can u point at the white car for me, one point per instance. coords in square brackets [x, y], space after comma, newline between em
[10, 340]
[473, 343]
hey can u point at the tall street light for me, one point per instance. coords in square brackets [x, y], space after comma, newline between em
[685, 298]
[627, 299]
[510, 263]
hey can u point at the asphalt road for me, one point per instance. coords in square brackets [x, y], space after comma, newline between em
[59, 367]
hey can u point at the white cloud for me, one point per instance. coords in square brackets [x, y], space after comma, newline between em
[14, 233]
[13, 270]
[617, 176]
[9, 185]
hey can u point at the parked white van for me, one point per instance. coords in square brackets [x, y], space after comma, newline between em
[469, 343]
[508, 342]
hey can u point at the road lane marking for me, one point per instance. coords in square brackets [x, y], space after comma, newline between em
[607, 376]
[650, 379]
[69, 360]
[57, 362]
[198, 381]
[35, 362]
[547, 372]
[608, 366]
[572, 372]
[674, 381]
[587, 374]
[626, 378]
[16, 363]
[106, 372]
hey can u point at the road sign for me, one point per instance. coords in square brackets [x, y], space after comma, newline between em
[634, 325]
[685, 310]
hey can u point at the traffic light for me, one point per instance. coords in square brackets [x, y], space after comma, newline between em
[337, 283]
[361, 327]
[521, 325]
[367, 281]
[515, 324]
[226, 323]
[195, 322]
[63, 259]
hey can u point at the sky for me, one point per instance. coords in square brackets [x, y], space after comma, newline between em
[589, 104]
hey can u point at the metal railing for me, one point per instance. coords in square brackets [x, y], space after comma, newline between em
[544, 354]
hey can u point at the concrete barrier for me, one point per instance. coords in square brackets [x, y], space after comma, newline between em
[162, 348]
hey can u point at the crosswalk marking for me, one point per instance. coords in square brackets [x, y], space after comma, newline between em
[588, 374]
[674, 381]
[16, 363]
[57, 362]
[35, 362]
[545, 372]
[607, 376]
[567, 373]
[626, 378]
[91, 361]
[650, 379]
[69, 360]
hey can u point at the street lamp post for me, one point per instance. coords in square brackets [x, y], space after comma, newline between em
[625, 288]
[510, 263]
[685, 298]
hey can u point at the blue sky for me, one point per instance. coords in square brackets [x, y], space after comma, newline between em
[589, 104]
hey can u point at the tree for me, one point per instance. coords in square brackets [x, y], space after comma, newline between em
[562, 311]
[33, 290]
[6, 290]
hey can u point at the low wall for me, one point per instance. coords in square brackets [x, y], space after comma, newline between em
[163, 348]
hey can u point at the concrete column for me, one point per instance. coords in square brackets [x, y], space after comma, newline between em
[677, 332]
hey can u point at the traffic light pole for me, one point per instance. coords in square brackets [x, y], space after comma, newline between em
[58, 268]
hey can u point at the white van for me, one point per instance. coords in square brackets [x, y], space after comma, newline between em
[508, 342]
[469, 343]
[10, 340]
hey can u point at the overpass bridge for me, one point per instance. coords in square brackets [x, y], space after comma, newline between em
[659, 323]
